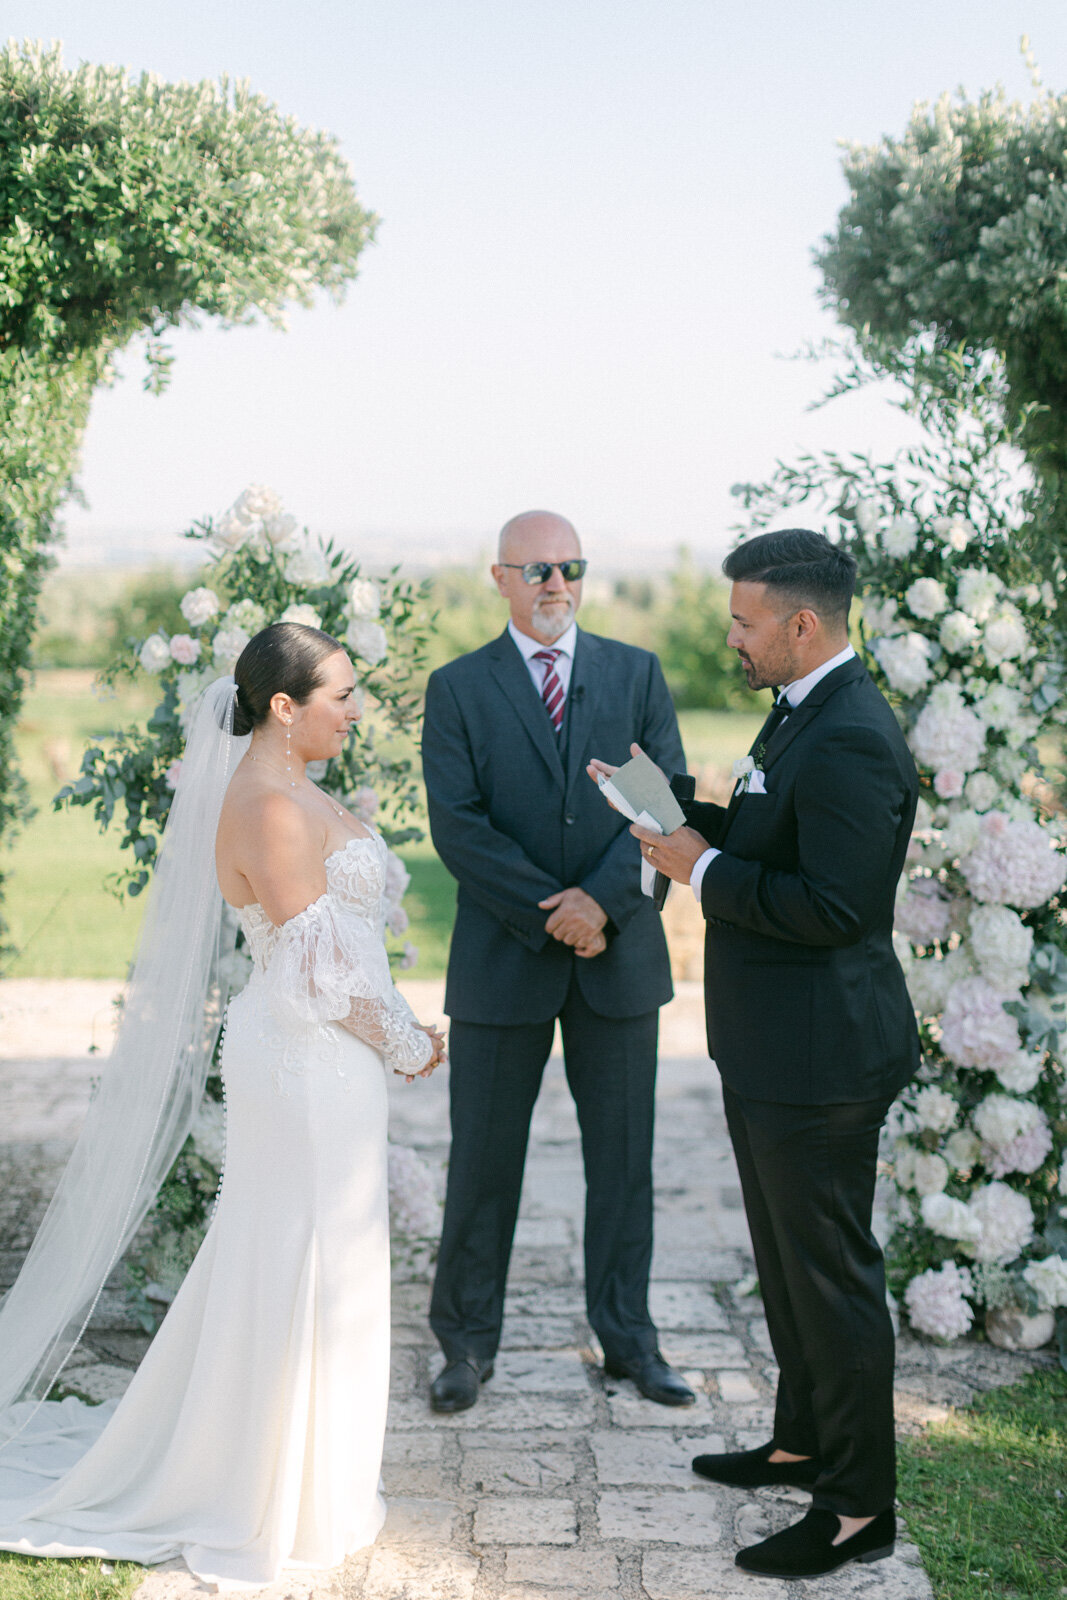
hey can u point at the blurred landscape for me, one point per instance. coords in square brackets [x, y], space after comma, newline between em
[67, 922]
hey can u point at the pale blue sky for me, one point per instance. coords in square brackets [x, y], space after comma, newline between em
[597, 224]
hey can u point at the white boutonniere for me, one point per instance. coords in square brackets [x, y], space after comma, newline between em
[748, 776]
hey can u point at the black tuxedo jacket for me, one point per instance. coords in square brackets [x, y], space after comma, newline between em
[806, 1001]
[515, 818]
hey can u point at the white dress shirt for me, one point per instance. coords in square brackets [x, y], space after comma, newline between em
[794, 693]
[538, 671]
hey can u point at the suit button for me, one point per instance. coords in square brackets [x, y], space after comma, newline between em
[570, 818]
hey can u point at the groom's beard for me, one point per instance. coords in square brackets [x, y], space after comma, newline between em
[552, 618]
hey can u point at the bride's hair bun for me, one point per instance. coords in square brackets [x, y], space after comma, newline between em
[285, 658]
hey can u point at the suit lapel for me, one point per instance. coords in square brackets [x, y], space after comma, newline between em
[580, 715]
[513, 676]
[797, 721]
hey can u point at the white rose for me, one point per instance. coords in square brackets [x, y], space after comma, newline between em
[367, 639]
[880, 617]
[949, 1218]
[926, 598]
[962, 1149]
[198, 606]
[936, 1110]
[956, 532]
[228, 644]
[1048, 1279]
[154, 654]
[958, 633]
[184, 649]
[868, 515]
[307, 568]
[364, 598]
[901, 536]
[307, 615]
[281, 530]
[1005, 637]
[257, 503]
[230, 532]
[931, 1175]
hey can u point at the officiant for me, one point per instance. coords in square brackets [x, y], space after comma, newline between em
[550, 924]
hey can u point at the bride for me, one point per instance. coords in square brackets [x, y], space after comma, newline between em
[250, 1438]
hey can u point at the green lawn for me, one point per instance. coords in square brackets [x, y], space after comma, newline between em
[984, 1495]
[65, 923]
[28, 1578]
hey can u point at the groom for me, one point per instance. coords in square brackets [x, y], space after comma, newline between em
[811, 1027]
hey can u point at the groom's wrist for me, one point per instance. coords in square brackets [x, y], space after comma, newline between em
[700, 866]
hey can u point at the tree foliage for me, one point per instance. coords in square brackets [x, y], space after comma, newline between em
[129, 206]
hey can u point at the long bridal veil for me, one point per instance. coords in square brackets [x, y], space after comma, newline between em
[151, 1086]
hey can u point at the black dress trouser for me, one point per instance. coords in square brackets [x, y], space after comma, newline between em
[495, 1077]
[807, 1176]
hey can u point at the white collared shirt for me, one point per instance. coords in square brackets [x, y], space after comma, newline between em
[566, 644]
[794, 693]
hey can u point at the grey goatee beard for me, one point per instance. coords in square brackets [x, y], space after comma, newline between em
[552, 621]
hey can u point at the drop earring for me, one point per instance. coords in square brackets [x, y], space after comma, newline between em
[289, 753]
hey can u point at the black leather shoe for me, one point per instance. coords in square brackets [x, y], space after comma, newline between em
[456, 1386]
[654, 1378]
[752, 1469]
[807, 1549]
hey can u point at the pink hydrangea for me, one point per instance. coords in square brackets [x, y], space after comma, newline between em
[923, 912]
[1014, 863]
[937, 1301]
[976, 1031]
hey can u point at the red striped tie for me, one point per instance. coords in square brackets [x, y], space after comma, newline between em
[551, 688]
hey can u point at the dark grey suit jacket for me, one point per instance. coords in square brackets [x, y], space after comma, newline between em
[806, 1001]
[515, 818]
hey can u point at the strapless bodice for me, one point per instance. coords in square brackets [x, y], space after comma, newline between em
[355, 875]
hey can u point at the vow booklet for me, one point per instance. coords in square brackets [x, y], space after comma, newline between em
[641, 792]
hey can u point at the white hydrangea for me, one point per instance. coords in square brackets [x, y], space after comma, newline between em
[1048, 1280]
[364, 598]
[409, 955]
[930, 1175]
[977, 592]
[228, 644]
[936, 1110]
[937, 1302]
[198, 606]
[1016, 1132]
[976, 1031]
[982, 790]
[246, 615]
[1005, 1221]
[307, 567]
[1000, 706]
[1014, 863]
[947, 736]
[1002, 946]
[929, 981]
[958, 633]
[880, 616]
[962, 1149]
[154, 654]
[905, 660]
[397, 920]
[305, 614]
[1004, 637]
[397, 877]
[926, 598]
[905, 1156]
[901, 536]
[367, 639]
[1020, 1073]
[950, 1219]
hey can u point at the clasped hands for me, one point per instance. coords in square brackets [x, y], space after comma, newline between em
[437, 1039]
[576, 920]
[674, 854]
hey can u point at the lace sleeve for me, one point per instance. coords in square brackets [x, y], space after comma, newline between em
[329, 965]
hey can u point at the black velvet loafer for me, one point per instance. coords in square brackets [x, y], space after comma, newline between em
[654, 1378]
[456, 1386]
[807, 1549]
[753, 1469]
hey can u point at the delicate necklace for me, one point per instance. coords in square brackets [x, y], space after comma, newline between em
[292, 781]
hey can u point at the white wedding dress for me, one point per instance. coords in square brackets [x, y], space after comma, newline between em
[250, 1438]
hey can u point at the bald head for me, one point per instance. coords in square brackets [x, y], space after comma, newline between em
[521, 533]
[544, 611]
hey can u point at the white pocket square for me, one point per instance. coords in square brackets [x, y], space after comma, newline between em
[756, 784]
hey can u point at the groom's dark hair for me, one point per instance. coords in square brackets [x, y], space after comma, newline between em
[800, 568]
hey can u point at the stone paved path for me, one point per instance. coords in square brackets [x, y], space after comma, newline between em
[557, 1485]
